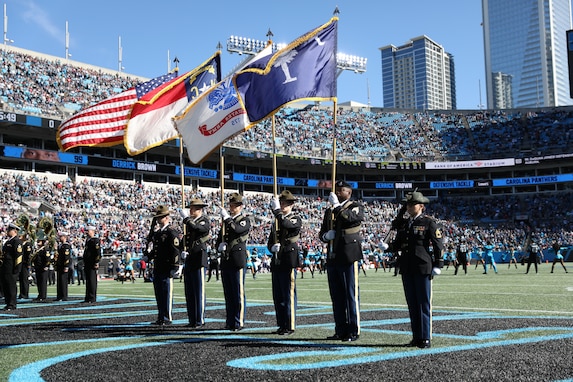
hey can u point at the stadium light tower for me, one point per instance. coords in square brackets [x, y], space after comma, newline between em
[120, 55]
[68, 55]
[6, 39]
[245, 45]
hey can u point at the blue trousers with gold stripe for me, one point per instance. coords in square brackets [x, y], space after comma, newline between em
[163, 288]
[195, 295]
[345, 296]
[235, 300]
[284, 297]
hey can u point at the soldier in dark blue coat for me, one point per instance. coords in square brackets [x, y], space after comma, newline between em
[91, 258]
[10, 266]
[283, 244]
[418, 265]
[63, 258]
[232, 244]
[41, 262]
[23, 277]
[340, 228]
[164, 252]
[197, 233]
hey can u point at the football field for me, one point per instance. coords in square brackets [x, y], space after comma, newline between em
[509, 326]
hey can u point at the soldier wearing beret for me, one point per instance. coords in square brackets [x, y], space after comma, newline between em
[165, 254]
[91, 259]
[283, 244]
[197, 229]
[418, 265]
[63, 258]
[10, 266]
[232, 244]
[340, 228]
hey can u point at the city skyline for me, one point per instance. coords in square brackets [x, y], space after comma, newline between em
[151, 33]
[149, 37]
[526, 53]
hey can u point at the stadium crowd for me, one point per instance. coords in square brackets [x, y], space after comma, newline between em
[122, 212]
[51, 88]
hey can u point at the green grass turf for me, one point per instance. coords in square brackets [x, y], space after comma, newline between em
[511, 291]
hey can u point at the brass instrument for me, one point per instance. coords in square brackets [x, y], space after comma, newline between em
[47, 228]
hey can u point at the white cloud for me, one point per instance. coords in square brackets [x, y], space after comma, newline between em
[36, 15]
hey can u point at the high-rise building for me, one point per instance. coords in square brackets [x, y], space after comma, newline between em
[418, 75]
[526, 52]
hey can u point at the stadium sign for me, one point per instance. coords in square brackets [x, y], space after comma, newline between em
[452, 184]
[470, 164]
[40, 155]
[533, 180]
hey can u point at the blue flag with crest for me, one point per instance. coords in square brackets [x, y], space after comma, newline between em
[304, 70]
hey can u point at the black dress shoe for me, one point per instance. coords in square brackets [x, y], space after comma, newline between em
[334, 337]
[286, 332]
[412, 343]
[424, 344]
[279, 331]
[350, 338]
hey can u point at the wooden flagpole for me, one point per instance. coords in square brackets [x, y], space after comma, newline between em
[333, 185]
[334, 146]
[182, 170]
[222, 181]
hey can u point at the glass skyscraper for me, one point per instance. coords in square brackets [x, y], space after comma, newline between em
[418, 75]
[526, 52]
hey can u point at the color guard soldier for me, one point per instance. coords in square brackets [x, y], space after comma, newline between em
[283, 244]
[91, 259]
[340, 228]
[232, 244]
[10, 266]
[418, 265]
[197, 233]
[164, 252]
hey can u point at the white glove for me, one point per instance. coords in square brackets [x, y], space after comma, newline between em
[333, 199]
[329, 235]
[176, 273]
[184, 255]
[275, 204]
[276, 248]
[222, 247]
[184, 214]
[436, 271]
[224, 214]
[383, 246]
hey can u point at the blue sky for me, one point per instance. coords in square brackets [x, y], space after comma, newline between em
[151, 31]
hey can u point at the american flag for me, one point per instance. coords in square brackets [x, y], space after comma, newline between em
[103, 124]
